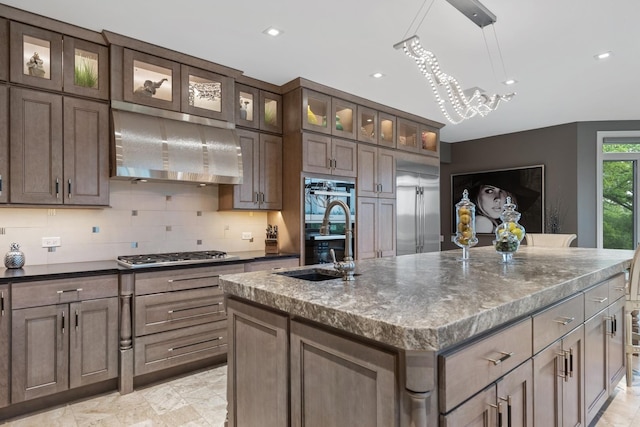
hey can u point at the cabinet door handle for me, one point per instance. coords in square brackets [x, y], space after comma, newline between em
[57, 188]
[564, 320]
[69, 188]
[504, 357]
[63, 322]
[498, 409]
[69, 290]
[571, 362]
[611, 332]
[257, 197]
[2, 302]
[195, 343]
[0, 185]
[600, 300]
[262, 199]
[77, 320]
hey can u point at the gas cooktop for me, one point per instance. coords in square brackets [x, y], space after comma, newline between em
[172, 258]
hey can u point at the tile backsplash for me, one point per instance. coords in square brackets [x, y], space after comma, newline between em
[146, 217]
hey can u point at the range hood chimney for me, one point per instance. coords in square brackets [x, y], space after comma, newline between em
[155, 144]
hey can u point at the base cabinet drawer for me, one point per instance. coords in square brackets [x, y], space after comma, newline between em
[557, 321]
[168, 349]
[473, 367]
[173, 310]
[184, 278]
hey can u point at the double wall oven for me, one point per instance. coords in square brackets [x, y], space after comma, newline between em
[318, 193]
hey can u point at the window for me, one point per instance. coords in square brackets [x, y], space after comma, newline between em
[618, 208]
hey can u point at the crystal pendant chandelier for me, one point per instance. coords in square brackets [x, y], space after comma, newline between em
[455, 104]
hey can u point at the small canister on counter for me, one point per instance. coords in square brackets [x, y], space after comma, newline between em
[465, 236]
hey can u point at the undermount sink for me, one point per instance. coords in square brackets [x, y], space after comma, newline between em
[312, 274]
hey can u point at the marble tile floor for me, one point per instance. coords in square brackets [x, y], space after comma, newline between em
[199, 399]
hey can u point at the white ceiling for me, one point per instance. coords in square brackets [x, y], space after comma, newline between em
[547, 45]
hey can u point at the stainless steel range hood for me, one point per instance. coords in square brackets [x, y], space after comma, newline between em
[155, 144]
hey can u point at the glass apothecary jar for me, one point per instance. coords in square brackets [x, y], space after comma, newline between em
[510, 233]
[465, 225]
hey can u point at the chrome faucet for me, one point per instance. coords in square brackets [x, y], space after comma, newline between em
[346, 266]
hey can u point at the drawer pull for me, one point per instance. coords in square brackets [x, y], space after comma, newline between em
[564, 320]
[504, 357]
[196, 343]
[193, 278]
[69, 290]
[177, 310]
[619, 289]
[600, 300]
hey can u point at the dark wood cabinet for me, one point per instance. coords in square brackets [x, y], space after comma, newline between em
[71, 343]
[5, 341]
[207, 94]
[86, 152]
[323, 154]
[85, 68]
[149, 80]
[376, 172]
[59, 149]
[258, 109]
[375, 228]
[4, 50]
[36, 147]
[35, 56]
[4, 144]
[261, 186]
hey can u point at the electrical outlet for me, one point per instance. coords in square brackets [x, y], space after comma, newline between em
[50, 242]
[246, 235]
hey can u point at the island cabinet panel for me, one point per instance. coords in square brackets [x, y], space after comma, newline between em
[515, 397]
[258, 362]
[558, 382]
[616, 357]
[595, 363]
[557, 321]
[473, 367]
[479, 411]
[5, 340]
[336, 381]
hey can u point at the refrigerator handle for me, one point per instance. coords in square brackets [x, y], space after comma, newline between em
[422, 218]
[417, 220]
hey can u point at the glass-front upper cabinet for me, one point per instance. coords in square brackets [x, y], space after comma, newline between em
[36, 56]
[4, 49]
[367, 125]
[344, 118]
[316, 107]
[207, 94]
[247, 100]
[150, 80]
[429, 140]
[386, 130]
[407, 136]
[86, 68]
[270, 112]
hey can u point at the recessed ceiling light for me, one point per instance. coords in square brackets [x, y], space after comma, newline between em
[377, 75]
[273, 32]
[603, 55]
[510, 82]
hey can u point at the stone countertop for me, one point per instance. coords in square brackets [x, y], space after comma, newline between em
[435, 300]
[92, 268]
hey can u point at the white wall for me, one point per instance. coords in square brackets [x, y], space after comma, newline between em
[170, 217]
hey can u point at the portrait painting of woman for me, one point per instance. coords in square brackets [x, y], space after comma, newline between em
[489, 192]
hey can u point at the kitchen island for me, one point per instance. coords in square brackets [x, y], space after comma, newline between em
[424, 339]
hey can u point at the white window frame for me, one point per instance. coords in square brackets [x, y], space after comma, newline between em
[601, 157]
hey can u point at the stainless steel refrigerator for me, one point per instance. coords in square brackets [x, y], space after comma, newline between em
[418, 208]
